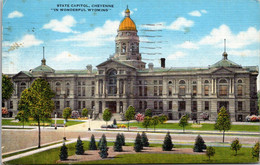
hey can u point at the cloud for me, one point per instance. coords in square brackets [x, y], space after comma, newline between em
[63, 26]
[180, 24]
[15, 14]
[97, 37]
[122, 13]
[195, 13]
[234, 41]
[203, 11]
[188, 45]
[27, 41]
[176, 55]
[244, 53]
[67, 57]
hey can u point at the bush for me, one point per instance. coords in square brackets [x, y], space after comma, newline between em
[92, 144]
[63, 152]
[118, 144]
[184, 121]
[79, 147]
[121, 126]
[210, 152]
[235, 146]
[255, 151]
[138, 146]
[144, 140]
[84, 112]
[162, 119]
[103, 147]
[147, 122]
[148, 112]
[154, 121]
[66, 113]
[167, 143]
[139, 117]
[122, 139]
[199, 144]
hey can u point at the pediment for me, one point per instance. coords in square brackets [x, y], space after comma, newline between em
[222, 70]
[114, 64]
[22, 75]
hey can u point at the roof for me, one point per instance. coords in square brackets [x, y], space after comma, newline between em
[117, 61]
[43, 68]
[225, 63]
[127, 24]
[171, 69]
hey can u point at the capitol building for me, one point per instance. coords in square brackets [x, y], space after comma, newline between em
[124, 79]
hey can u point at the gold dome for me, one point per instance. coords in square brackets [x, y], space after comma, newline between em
[127, 24]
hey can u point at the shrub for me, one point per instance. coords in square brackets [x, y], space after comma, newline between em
[167, 143]
[105, 140]
[129, 115]
[118, 144]
[235, 146]
[138, 146]
[255, 151]
[114, 122]
[147, 122]
[92, 144]
[122, 139]
[4, 111]
[210, 152]
[103, 147]
[66, 113]
[63, 152]
[84, 112]
[184, 121]
[154, 121]
[79, 147]
[144, 140]
[107, 115]
[139, 117]
[148, 112]
[199, 144]
[162, 118]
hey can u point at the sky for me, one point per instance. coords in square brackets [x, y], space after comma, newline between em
[187, 33]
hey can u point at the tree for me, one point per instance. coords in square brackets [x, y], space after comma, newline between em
[167, 143]
[122, 139]
[92, 144]
[105, 140]
[255, 151]
[148, 112]
[129, 114]
[184, 122]
[138, 146]
[114, 122]
[79, 147]
[139, 117]
[85, 112]
[235, 145]
[147, 122]
[223, 122]
[154, 121]
[63, 152]
[199, 144]
[38, 98]
[144, 140]
[66, 113]
[118, 144]
[210, 151]
[103, 147]
[162, 119]
[7, 88]
[22, 117]
[107, 116]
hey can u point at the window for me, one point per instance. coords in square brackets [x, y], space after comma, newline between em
[83, 83]
[170, 104]
[140, 105]
[160, 105]
[182, 90]
[92, 91]
[239, 81]
[11, 105]
[182, 82]
[140, 82]
[121, 71]
[170, 82]
[58, 88]
[79, 91]
[206, 90]
[83, 104]
[223, 90]
[140, 91]
[169, 90]
[112, 82]
[239, 105]
[145, 104]
[123, 48]
[223, 81]
[79, 83]
[239, 90]
[67, 89]
[100, 72]
[160, 90]
[206, 106]
[79, 104]
[67, 103]
[121, 86]
[155, 105]
[145, 82]
[154, 81]
[83, 91]
[194, 90]
[22, 87]
[160, 82]
[194, 106]
[206, 81]
[182, 105]
[155, 90]
[92, 104]
[57, 104]
[93, 82]
[145, 90]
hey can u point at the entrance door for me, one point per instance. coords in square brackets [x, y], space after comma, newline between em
[111, 105]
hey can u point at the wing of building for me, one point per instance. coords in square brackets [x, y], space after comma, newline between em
[123, 80]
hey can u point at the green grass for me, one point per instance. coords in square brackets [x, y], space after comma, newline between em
[205, 127]
[223, 155]
[9, 122]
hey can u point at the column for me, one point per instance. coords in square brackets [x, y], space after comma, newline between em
[117, 106]
[124, 86]
[230, 85]
[104, 87]
[212, 85]
[215, 86]
[199, 86]
[96, 90]
[117, 87]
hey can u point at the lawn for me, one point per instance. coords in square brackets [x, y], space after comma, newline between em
[205, 127]
[9, 122]
[223, 155]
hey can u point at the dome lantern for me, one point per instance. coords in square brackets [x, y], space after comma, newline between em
[127, 24]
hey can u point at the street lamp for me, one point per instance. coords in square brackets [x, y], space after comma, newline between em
[89, 122]
[55, 120]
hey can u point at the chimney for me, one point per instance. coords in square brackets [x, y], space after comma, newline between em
[89, 68]
[150, 66]
[163, 62]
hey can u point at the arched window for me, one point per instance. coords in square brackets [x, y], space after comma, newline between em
[67, 88]
[117, 47]
[182, 88]
[121, 86]
[206, 81]
[223, 87]
[145, 104]
[182, 82]
[239, 81]
[222, 81]
[170, 82]
[239, 88]
[123, 48]
[58, 88]
[112, 82]
[140, 105]
[22, 86]
[160, 105]
[132, 47]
